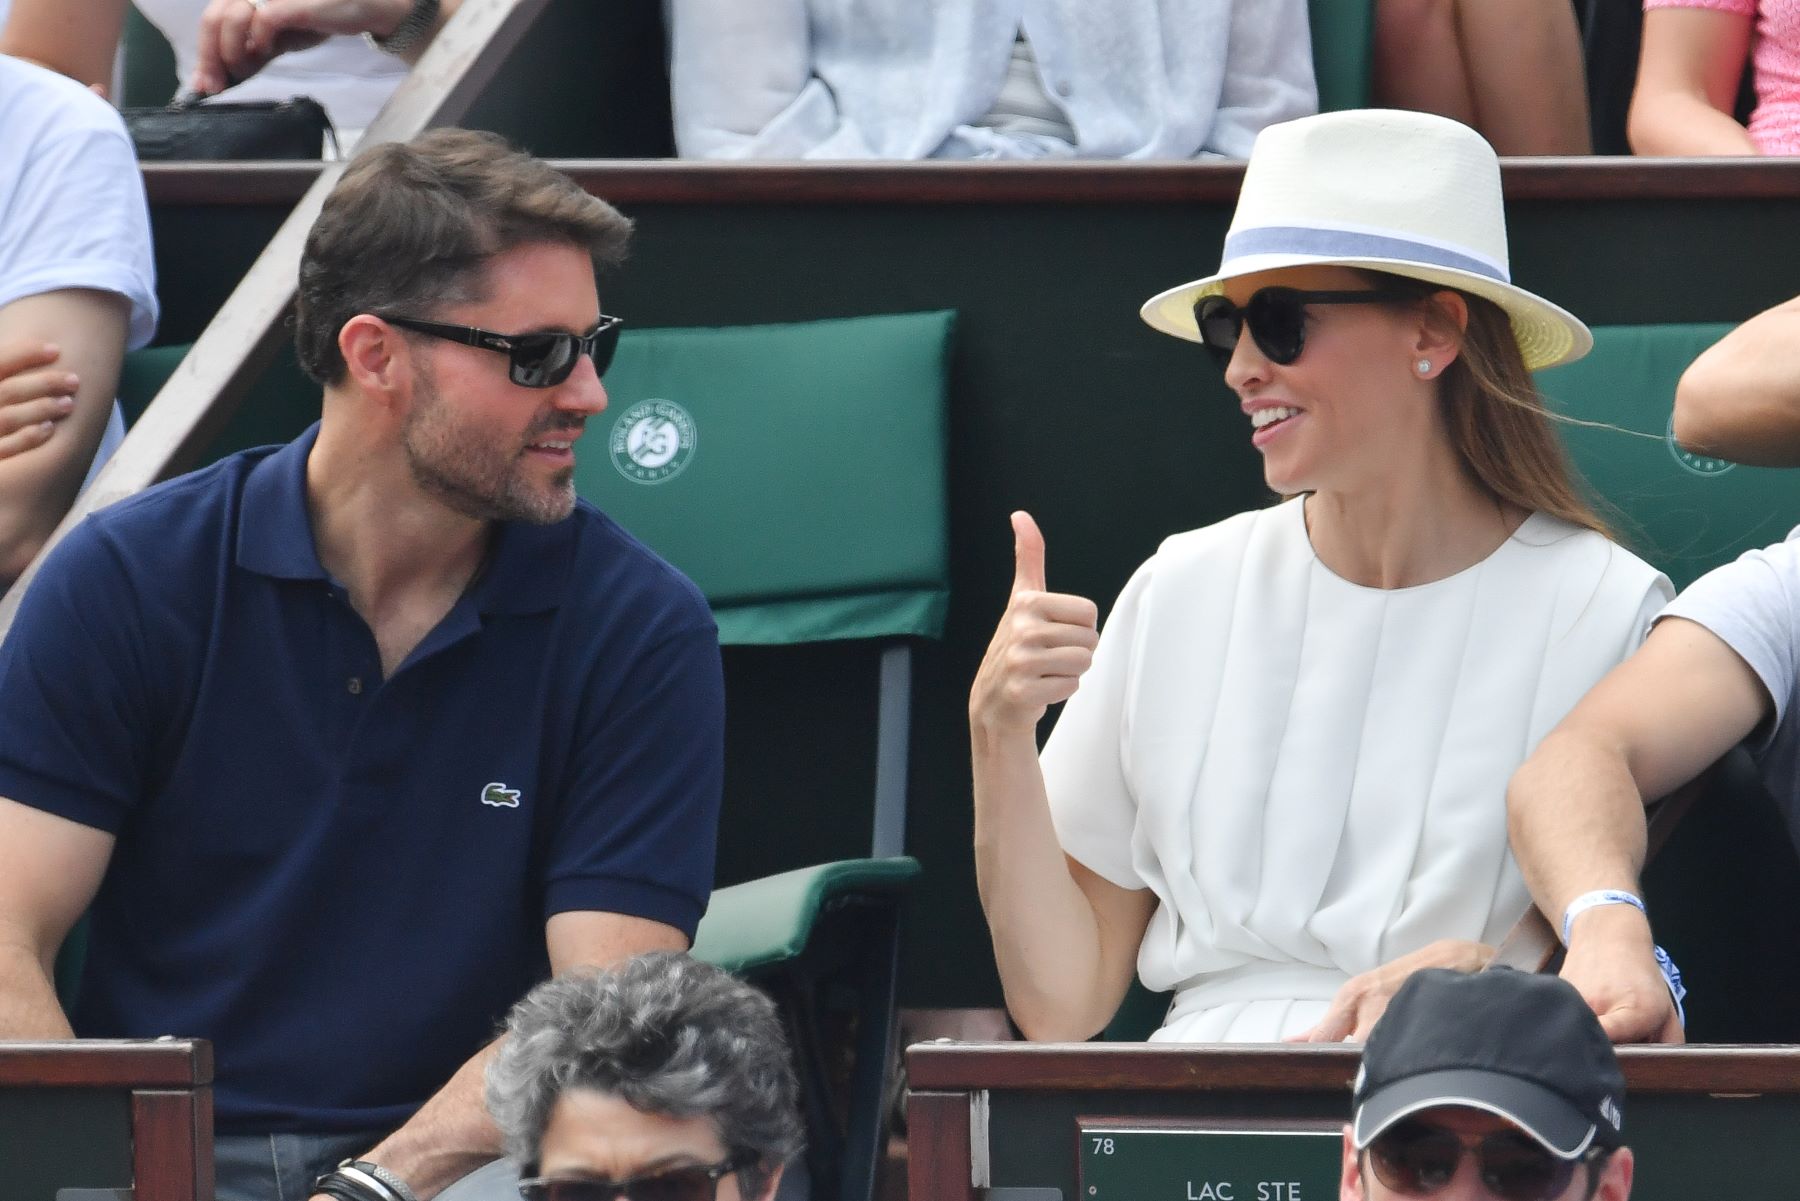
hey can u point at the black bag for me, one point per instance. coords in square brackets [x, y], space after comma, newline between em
[295, 128]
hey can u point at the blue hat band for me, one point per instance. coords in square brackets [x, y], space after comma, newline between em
[1353, 244]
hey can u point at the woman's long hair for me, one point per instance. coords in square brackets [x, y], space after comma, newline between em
[1497, 419]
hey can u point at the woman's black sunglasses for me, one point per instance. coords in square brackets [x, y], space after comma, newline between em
[699, 1182]
[1417, 1159]
[541, 360]
[1276, 317]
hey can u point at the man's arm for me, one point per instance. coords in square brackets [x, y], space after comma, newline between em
[1576, 814]
[1740, 400]
[50, 868]
[37, 487]
[452, 1135]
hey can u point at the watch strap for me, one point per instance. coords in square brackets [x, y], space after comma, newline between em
[412, 31]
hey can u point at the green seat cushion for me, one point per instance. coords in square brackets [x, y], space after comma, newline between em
[1343, 33]
[1684, 513]
[768, 921]
[794, 472]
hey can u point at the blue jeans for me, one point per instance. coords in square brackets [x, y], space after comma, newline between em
[282, 1167]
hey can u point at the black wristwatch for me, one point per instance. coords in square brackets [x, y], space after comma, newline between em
[412, 31]
[360, 1180]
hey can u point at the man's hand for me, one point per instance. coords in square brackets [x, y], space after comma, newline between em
[1044, 643]
[1612, 963]
[34, 396]
[238, 38]
[1364, 998]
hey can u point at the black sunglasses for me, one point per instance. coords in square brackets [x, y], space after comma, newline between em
[541, 360]
[1418, 1159]
[699, 1182]
[1276, 317]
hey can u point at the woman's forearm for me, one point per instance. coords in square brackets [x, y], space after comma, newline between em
[1061, 977]
[1678, 125]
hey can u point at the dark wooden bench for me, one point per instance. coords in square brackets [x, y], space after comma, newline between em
[121, 1121]
[985, 1120]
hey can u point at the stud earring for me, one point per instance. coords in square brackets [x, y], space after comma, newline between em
[1424, 366]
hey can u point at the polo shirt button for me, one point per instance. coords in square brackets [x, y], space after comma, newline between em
[355, 685]
[1065, 89]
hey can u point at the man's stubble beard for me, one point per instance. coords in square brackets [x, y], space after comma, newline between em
[473, 478]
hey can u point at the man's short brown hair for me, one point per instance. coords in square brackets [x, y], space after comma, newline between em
[411, 225]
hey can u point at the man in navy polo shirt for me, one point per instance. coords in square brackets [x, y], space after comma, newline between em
[344, 744]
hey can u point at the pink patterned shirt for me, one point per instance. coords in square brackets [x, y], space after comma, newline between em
[1775, 59]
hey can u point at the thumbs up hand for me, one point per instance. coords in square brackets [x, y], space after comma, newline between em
[1044, 642]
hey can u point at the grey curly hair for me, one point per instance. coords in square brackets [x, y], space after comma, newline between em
[662, 1032]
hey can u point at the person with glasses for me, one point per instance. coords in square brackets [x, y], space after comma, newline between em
[1278, 784]
[344, 744]
[1499, 1085]
[661, 1079]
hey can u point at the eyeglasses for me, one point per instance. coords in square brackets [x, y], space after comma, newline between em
[541, 360]
[1276, 317]
[1418, 1159]
[700, 1182]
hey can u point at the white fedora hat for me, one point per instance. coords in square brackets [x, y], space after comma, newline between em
[1406, 193]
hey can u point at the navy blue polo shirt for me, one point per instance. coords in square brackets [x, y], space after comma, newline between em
[340, 879]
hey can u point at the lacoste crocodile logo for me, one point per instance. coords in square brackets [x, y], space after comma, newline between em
[500, 796]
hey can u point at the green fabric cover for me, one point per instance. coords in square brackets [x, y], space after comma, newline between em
[1684, 513]
[1343, 33]
[806, 494]
[768, 921]
[143, 373]
[283, 403]
[149, 63]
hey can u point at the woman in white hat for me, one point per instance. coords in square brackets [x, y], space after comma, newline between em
[1281, 785]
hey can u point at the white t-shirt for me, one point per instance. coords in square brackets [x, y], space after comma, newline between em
[1310, 774]
[1753, 606]
[348, 76]
[72, 207]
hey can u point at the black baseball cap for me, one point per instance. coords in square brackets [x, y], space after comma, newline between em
[1516, 1044]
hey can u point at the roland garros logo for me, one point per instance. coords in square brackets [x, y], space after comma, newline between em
[1698, 464]
[653, 441]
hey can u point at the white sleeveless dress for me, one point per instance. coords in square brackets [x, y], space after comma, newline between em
[1310, 774]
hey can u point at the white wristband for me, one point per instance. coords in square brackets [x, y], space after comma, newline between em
[1595, 899]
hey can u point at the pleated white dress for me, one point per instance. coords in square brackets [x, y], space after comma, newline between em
[1310, 774]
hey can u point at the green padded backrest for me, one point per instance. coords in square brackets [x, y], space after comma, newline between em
[794, 472]
[1343, 34]
[142, 375]
[149, 64]
[283, 403]
[1685, 513]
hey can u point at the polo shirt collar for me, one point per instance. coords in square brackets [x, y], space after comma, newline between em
[275, 535]
[527, 570]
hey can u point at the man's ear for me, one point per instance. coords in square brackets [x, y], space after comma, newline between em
[1615, 1178]
[1350, 1184]
[377, 359]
